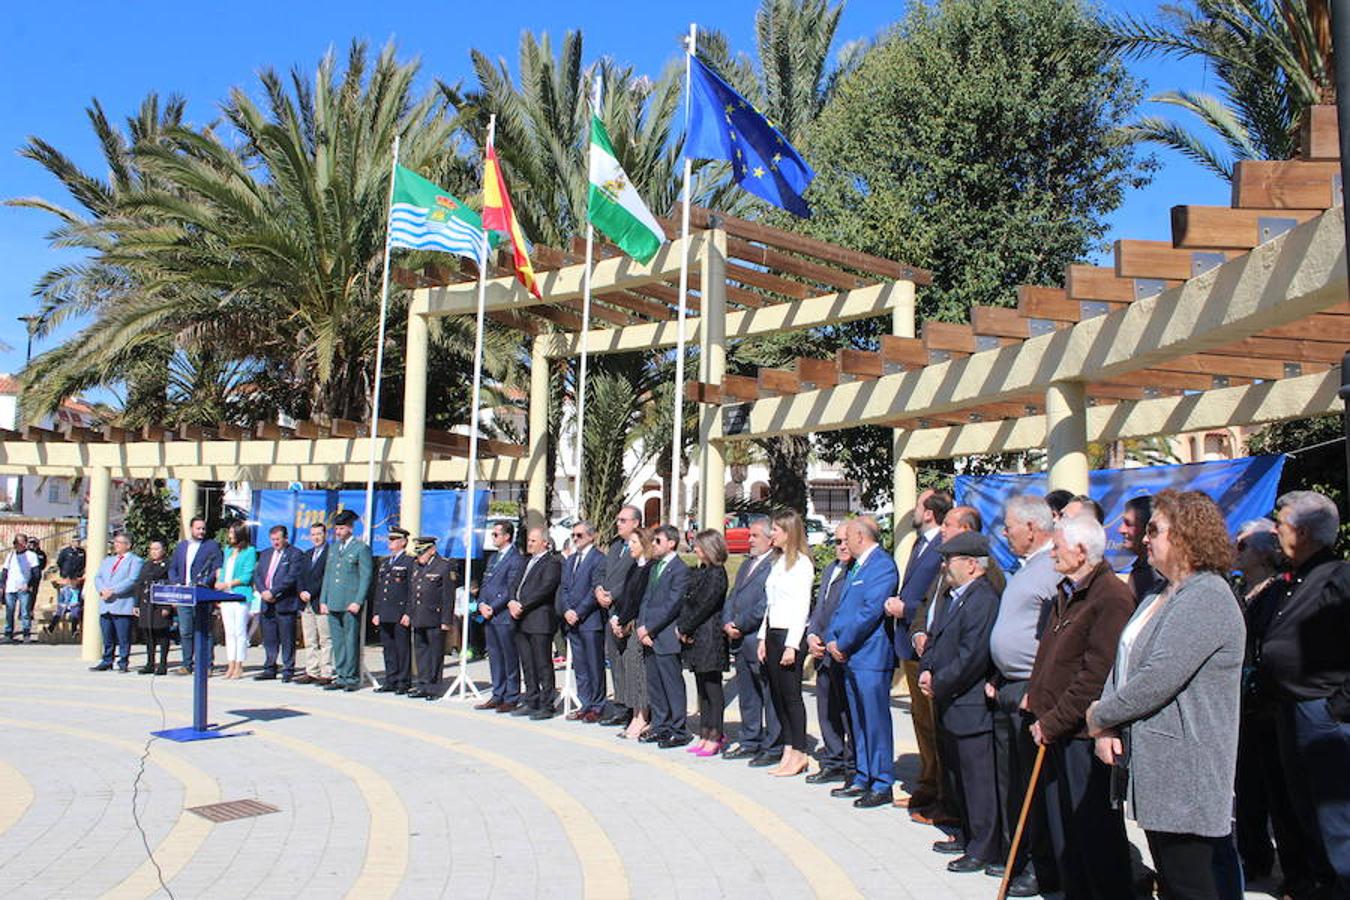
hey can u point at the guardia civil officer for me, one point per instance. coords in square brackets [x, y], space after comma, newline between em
[431, 609]
[391, 614]
[345, 583]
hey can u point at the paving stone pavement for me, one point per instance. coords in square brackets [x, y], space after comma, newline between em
[381, 796]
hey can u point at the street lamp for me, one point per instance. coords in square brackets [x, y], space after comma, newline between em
[29, 323]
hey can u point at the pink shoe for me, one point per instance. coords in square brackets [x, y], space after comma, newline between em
[694, 748]
[714, 750]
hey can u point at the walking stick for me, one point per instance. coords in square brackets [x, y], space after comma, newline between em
[1021, 822]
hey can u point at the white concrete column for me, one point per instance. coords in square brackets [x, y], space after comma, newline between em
[905, 475]
[96, 548]
[537, 447]
[413, 442]
[187, 505]
[713, 350]
[1066, 436]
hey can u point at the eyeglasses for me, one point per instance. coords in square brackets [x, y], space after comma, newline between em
[578, 535]
[833, 542]
[1153, 530]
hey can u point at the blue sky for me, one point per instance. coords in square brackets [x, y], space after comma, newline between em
[59, 56]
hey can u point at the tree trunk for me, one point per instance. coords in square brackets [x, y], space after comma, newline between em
[787, 471]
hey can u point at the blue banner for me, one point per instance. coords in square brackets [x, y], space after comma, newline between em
[1243, 488]
[442, 516]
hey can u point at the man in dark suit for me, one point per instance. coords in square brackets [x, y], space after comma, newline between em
[392, 583]
[313, 623]
[857, 636]
[953, 673]
[656, 630]
[532, 610]
[195, 561]
[496, 590]
[760, 738]
[609, 595]
[836, 743]
[583, 622]
[431, 611]
[276, 578]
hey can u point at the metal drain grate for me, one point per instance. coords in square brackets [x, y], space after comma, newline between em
[233, 809]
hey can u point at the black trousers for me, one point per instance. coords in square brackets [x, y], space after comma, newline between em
[968, 770]
[429, 645]
[836, 729]
[1185, 864]
[785, 688]
[1088, 836]
[396, 641]
[1264, 804]
[1014, 758]
[712, 701]
[536, 661]
[278, 634]
[156, 639]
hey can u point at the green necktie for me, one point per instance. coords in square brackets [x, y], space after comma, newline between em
[656, 571]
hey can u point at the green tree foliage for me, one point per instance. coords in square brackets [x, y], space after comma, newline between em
[1271, 59]
[1315, 462]
[150, 516]
[980, 140]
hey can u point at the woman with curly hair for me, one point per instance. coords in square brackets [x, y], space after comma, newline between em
[1172, 697]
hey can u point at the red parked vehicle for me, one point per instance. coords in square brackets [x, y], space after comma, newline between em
[736, 529]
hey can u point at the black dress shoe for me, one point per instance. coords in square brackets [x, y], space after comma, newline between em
[1024, 885]
[995, 869]
[415, 693]
[401, 689]
[286, 679]
[873, 799]
[652, 736]
[101, 667]
[265, 676]
[766, 758]
[540, 715]
[951, 846]
[523, 711]
[620, 718]
[332, 686]
[161, 670]
[146, 670]
[676, 740]
[351, 688]
[964, 864]
[385, 688]
[739, 752]
[826, 776]
[848, 790]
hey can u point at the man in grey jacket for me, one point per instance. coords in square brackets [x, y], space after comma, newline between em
[1029, 526]
[614, 571]
[760, 738]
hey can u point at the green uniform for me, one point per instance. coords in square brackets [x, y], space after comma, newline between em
[346, 580]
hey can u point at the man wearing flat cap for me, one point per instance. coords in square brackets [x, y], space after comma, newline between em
[952, 673]
[431, 608]
[346, 581]
[391, 614]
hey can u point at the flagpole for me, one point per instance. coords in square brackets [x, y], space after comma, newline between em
[464, 688]
[676, 483]
[585, 321]
[369, 518]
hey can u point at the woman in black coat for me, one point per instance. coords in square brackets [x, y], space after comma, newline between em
[154, 620]
[705, 645]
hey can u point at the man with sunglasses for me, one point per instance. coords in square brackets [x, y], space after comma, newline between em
[497, 589]
[583, 622]
[610, 595]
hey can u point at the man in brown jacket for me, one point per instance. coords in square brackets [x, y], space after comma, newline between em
[1077, 650]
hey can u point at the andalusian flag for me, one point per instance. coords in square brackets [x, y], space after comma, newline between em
[500, 217]
[615, 206]
[425, 217]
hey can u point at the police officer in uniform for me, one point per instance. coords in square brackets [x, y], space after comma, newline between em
[346, 581]
[391, 614]
[431, 609]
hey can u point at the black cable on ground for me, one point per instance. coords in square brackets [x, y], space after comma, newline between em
[136, 791]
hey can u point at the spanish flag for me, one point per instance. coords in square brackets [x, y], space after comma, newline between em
[499, 216]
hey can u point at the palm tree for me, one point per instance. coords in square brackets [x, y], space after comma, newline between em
[1272, 59]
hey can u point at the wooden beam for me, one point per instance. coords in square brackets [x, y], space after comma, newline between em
[115, 435]
[899, 353]
[1322, 327]
[563, 318]
[670, 295]
[228, 431]
[1226, 366]
[822, 250]
[767, 281]
[602, 312]
[79, 433]
[1100, 283]
[1210, 227]
[739, 387]
[952, 338]
[345, 428]
[782, 262]
[700, 392]
[817, 373]
[270, 431]
[779, 381]
[1000, 321]
[1159, 259]
[518, 321]
[1283, 349]
[652, 309]
[858, 364]
[1319, 134]
[1291, 184]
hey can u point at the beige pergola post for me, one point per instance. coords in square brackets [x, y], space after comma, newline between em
[537, 495]
[905, 477]
[100, 487]
[414, 421]
[187, 505]
[713, 350]
[1066, 436]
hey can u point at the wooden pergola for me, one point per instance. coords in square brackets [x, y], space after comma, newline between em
[1240, 319]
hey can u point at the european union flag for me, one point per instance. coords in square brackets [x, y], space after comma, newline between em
[723, 125]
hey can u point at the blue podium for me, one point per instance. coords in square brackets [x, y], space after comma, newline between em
[202, 599]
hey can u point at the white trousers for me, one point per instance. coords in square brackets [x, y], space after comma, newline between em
[234, 616]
